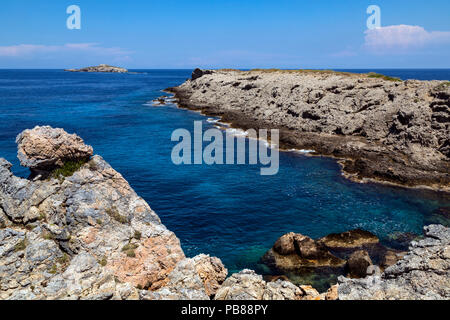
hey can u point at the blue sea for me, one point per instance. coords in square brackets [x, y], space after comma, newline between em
[231, 212]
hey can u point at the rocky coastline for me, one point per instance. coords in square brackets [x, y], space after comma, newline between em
[75, 229]
[380, 129]
[100, 68]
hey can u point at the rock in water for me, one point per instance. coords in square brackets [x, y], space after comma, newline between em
[424, 273]
[293, 252]
[45, 148]
[349, 239]
[358, 263]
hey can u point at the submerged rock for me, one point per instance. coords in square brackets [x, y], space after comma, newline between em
[349, 239]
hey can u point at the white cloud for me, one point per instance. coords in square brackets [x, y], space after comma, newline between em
[396, 38]
[25, 50]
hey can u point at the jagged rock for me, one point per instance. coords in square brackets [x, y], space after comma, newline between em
[211, 271]
[247, 285]
[100, 68]
[358, 263]
[195, 278]
[332, 293]
[423, 273]
[391, 131]
[198, 73]
[309, 293]
[46, 148]
[63, 236]
[282, 290]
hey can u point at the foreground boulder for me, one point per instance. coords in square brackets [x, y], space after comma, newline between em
[424, 273]
[45, 148]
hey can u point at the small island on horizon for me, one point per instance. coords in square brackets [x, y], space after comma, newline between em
[100, 68]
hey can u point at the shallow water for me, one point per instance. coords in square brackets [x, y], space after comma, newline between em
[227, 211]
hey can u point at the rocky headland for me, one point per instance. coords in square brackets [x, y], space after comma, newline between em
[100, 68]
[380, 128]
[75, 229]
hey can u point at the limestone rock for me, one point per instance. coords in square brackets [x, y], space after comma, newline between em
[196, 278]
[211, 271]
[247, 285]
[332, 293]
[46, 148]
[390, 131]
[422, 274]
[81, 236]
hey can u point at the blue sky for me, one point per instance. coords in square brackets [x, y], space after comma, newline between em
[226, 33]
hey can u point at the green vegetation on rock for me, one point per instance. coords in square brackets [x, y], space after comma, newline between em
[382, 76]
[114, 213]
[68, 169]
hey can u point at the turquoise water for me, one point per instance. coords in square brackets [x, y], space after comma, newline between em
[227, 211]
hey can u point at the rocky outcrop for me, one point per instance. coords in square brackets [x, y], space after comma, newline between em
[100, 68]
[294, 252]
[45, 148]
[381, 129]
[423, 273]
[82, 235]
[247, 285]
[192, 279]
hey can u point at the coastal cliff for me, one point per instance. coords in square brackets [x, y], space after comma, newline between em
[380, 128]
[75, 229]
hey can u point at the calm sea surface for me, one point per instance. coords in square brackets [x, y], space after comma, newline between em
[227, 211]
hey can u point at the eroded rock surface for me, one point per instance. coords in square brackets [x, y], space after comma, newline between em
[423, 273]
[80, 236]
[390, 131]
[45, 148]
